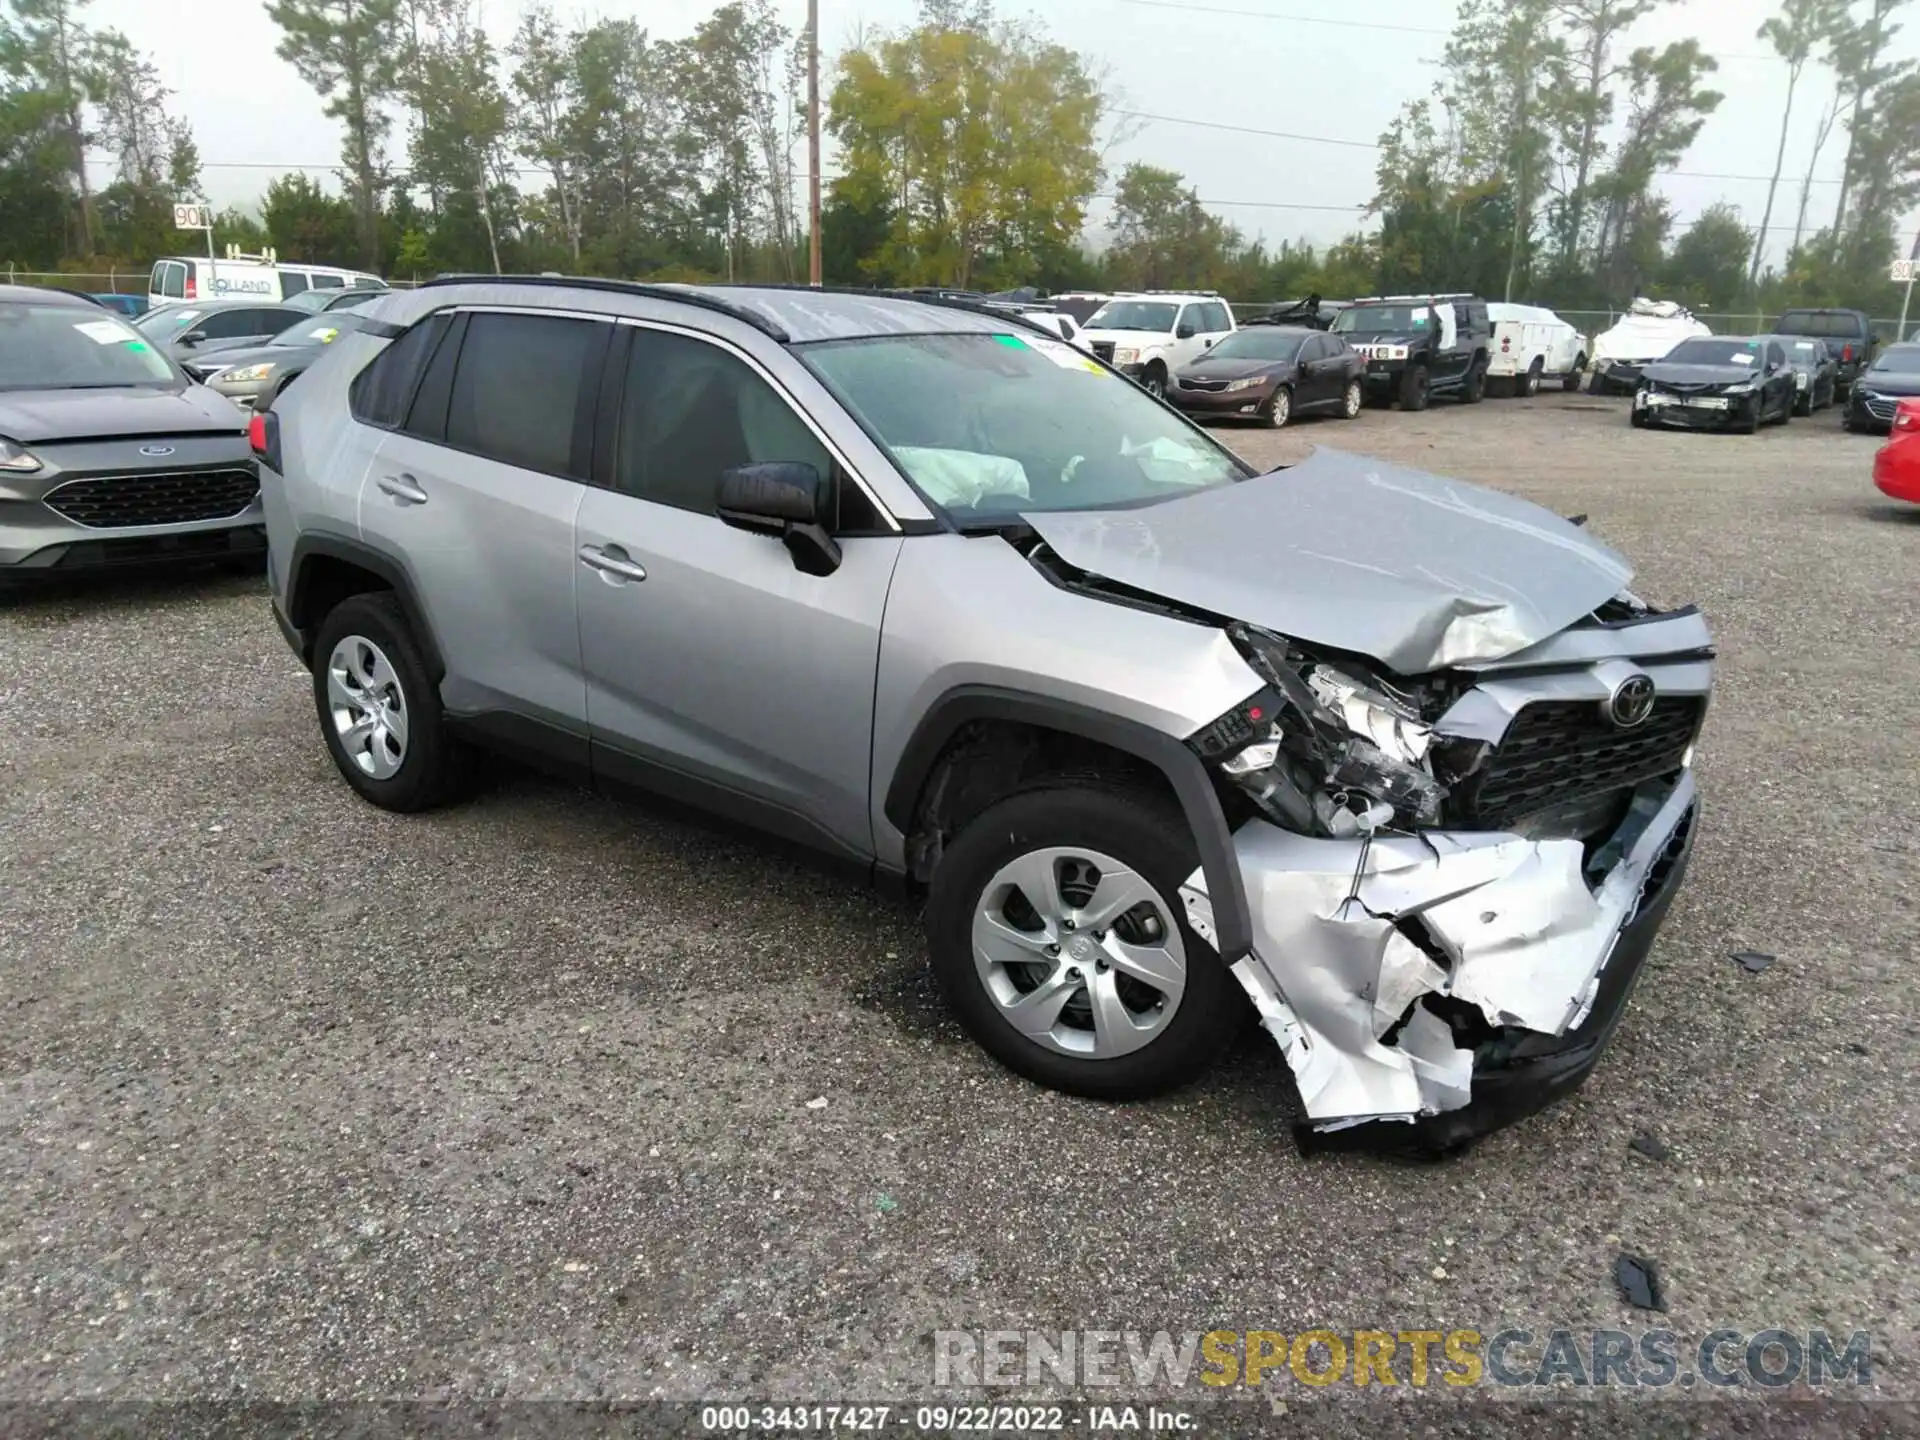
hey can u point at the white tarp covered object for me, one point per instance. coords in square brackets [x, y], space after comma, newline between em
[1647, 332]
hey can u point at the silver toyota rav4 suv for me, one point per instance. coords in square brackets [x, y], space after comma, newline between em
[1395, 758]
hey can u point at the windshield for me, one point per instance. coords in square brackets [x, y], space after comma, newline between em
[1383, 319]
[1900, 360]
[317, 330]
[1802, 349]
[318, 300]
[1258, 343]
[1133, 315]
[1714, 352]
[65, 347]
[161, 323]
[988, 426]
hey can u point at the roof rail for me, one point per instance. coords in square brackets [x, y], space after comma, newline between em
[1430, 295]
[683, 296]
[928, 295]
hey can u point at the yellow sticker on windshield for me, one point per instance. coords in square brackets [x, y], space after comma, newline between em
[325, 334]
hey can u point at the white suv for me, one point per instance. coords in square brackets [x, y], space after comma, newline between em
[1151, 333]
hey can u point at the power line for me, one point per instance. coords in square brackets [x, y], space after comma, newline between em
[1347, 24]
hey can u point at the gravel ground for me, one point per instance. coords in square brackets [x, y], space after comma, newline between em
[302, 1100]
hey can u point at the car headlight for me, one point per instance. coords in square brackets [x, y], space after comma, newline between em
[1397, 352]
[1125, 356]
[1745, 387]
[1249, 383]
[17, 458]
[244, 374]
[1321, 751]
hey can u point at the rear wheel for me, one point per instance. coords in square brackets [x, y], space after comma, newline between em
[1155, 380]
[1474, 388]
[1055, 930]
[1279, 408]
[1351, 402]
[379, 708]
[1530, 382]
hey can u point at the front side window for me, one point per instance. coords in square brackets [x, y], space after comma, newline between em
[1776, 356]
[519, 388]
[691, 411]
[233, 324]
[67, 347]
[988, 426]
[1154, 315]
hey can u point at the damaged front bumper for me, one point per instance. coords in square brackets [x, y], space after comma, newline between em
[1429, 988]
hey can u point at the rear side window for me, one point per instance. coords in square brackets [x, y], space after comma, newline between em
[327, 282]
[232, 324]
[523, 391]
[381, 393]
[292, 282]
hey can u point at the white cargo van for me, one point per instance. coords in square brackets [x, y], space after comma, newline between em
[1532, 345]
[179, 278]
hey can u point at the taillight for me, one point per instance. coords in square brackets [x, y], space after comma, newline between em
[1506, 344]
[1907, 415]
[263, 438]
[193, 289]
[1846, 354]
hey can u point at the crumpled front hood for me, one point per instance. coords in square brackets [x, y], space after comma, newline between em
[1414, 570]
[1669, 373]
[42, 416]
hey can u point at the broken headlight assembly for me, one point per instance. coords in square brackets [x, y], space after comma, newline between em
[1321, 750]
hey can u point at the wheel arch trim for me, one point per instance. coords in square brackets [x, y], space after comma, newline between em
[1182, 769]
[398, 578]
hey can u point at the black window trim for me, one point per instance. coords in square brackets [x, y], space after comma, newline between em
[610, 418]
[581, 448]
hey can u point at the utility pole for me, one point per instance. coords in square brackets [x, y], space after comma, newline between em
[813, 142]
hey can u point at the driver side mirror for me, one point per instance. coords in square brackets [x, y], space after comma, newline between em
[1185, 332]
[193, 338]
[787, 500]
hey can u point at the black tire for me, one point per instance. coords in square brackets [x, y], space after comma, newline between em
[1143, 831]
[1278, 409]
[1352, 400]
[1803, 407]
[1473, 389]
[1154, 378]
[1571, 382]
[1749, 423]
[1530, 382]
[434, 767]
[1637, 419]
[1414, 389]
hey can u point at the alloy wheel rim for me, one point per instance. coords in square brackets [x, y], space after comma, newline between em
[1079, 952]
[1353, 399]
[1282, 408]
[368, 707]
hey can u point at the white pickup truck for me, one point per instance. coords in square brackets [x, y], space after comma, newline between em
[1532, 345]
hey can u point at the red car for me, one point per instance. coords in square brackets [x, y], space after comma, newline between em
[1896, 468]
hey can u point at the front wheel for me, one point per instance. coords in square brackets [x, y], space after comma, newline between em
[1055, 930]
[1571, 381]
[1413, 388]
[1155, 382]
[1350, 404]
[1279, 408]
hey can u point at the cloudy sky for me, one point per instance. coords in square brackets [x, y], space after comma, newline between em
[1323, 69]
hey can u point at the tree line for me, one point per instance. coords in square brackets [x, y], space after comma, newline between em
[968, 150]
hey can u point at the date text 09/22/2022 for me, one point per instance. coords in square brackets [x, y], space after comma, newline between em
[944, 1419]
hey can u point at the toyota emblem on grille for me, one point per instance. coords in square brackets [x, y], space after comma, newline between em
[156, 451]
[1631, 701]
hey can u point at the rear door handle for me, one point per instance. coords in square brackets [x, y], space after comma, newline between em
[403, 488]
[612, 562]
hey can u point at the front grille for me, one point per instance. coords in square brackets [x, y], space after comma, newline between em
[162, 497]
[1557, 752]
[1103, 350]
[1211, 386]
[1880, 407]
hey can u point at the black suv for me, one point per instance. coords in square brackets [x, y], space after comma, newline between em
[1418, 346]
[1848, 333]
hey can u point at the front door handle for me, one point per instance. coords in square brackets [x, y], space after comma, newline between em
[403, 488]
[612, 562]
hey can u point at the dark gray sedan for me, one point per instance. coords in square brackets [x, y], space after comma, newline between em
[109, 454]
[1816, 371]
[251, 375]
